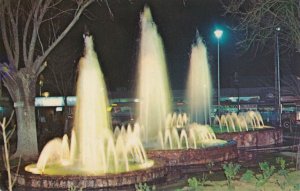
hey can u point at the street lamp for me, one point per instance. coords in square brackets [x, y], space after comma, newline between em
[277, 74]
[218, 33]
[236, 83]
[41, 83]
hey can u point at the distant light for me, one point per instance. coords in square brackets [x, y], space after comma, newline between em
[231, 98]
[58, 109]
[41, 83]
[45, 94]
[278, 28]
[218, 33]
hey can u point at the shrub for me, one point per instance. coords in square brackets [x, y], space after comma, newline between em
[267, 172]
[230, 171]
[282, 171]
[144, 187]
[193, 183]
[296, 187]
[248, 176]
[197, 184]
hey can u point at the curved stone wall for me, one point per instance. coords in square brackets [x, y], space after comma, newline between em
[257, 138]
[186, 157]
[41, 182]
[169, 164]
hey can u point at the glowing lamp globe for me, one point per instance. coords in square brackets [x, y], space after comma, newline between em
[218, 33]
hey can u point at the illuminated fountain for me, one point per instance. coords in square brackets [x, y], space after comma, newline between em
[174, 138]
[247, 129]
[244, 121]
[153, 86]
[179, 135]
[237, 126]
[178, 120]
[157, 127]
[93, 152]
[199, 84]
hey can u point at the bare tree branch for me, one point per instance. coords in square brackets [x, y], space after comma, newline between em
[39, 61]
[109, 10]
[37, 21]
[41, 43]
[8, 48]
[292, 84]
[25, 33]
[258, 19]
[61, 12]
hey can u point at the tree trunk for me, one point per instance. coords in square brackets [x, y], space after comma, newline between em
[27, 146]
[24, 98]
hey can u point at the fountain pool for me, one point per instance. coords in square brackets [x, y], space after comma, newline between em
[179, 141]
[155, 100]
[94, 157]
[247, 129]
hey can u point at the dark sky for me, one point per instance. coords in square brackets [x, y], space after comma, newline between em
[116, 40]
[177, 21]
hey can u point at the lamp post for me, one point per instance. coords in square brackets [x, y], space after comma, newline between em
[277, 74]
[218, 33]
[236, 83]
[41, 83]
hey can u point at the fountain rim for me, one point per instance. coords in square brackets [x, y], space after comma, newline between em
[228, 143]
[264, 128]
[38, 181]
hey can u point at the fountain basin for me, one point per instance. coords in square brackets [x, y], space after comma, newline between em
[258, 138]
[200, 156]
[34, 181]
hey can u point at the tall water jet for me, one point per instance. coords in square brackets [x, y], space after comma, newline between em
[153, 85]
[91, 104]
[198, 93]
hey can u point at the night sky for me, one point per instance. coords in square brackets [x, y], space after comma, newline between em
[177, 21]
[116, 40]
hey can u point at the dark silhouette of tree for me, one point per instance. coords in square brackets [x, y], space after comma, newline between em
[259, 19]
[30, 30]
